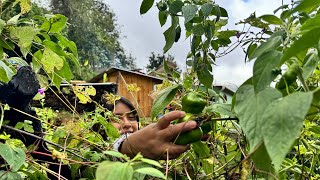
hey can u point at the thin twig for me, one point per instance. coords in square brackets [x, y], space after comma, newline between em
[40, 138]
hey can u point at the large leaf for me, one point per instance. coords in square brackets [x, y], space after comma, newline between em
[270, 44]
[189, 12]
[51, 60]
[163, 16]
[25, 36]
[204, 76]
[15, 157]
[7, 175]
[145, 6]
[169, 35]
[262, 69]
[282, 123]
[250, 107]
[163, 99]
[109, 170]
[206, 9]
[311, 23]
[175, 7]
[201, 150]
[307, 40]
[222, 109]
[6, 73]
[271, 19]
[306, 6]
[261, 159]
[310, 64]
[151, 171]
[60, 22]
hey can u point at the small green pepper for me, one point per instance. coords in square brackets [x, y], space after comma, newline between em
[289, 77]
[190, 137]
[193, 103]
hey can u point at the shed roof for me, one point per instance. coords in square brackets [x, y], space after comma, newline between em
[113, 69]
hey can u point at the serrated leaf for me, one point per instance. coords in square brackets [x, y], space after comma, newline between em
[250, 107]
[282, 123]
[145, 6]
[15, 157]
[271, 19]
[163, 99]
[109, 170]
[189, 12]
[51, 60]
[206, 9]
[13, 20]
[270, 44]
[307, 40]
[262, 69]
[25, 36]
[151, 171]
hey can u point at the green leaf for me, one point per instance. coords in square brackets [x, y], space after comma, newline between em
[51, 60]
[311, 23]
[109, 170]
[169, 35]
[198, 30]
[25, 36]
[206, 9]
[145, 6]
[306, 6]
[151, 162]
[60, 22]
[310, 64]
[163, 99]
[201, 150]
[114, 153]
[54, 47]
[315, 129]
[151, 171]
[223, 109]
[204, 76]
[270, 44]
[261, 159]
[64, 42]
[219, 11]
[15, 157]
[307, 40]
[13, 20]
[250, 107]
[163, 16]
[8, 175]
[2, 25]
[6, 73]
[189, 12]
[18, 61]
[271, 19]
[282, 123]
[262, 69]
[175, 7]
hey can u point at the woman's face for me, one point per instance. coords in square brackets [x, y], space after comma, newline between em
[128, 122]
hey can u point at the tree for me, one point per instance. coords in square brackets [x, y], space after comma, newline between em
[93, 28]
[155, 61]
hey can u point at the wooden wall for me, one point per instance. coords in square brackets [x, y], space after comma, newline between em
[141, 99]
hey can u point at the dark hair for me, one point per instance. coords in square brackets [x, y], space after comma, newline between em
[123, 100]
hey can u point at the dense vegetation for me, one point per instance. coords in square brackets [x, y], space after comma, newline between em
[270, 130]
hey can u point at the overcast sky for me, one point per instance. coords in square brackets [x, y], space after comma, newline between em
[142, 35]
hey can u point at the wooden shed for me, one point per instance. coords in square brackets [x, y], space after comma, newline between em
[124, 79]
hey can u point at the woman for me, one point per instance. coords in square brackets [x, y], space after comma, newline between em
[127, 115]
[153, 141]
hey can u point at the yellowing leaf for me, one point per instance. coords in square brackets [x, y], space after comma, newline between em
[25, 6]
[51, 60]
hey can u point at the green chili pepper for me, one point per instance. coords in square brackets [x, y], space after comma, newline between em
[289, 77]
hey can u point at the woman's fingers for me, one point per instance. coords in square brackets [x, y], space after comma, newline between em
[176, 129]
[165, 120]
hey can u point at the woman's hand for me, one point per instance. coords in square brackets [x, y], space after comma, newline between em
[155, 141]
